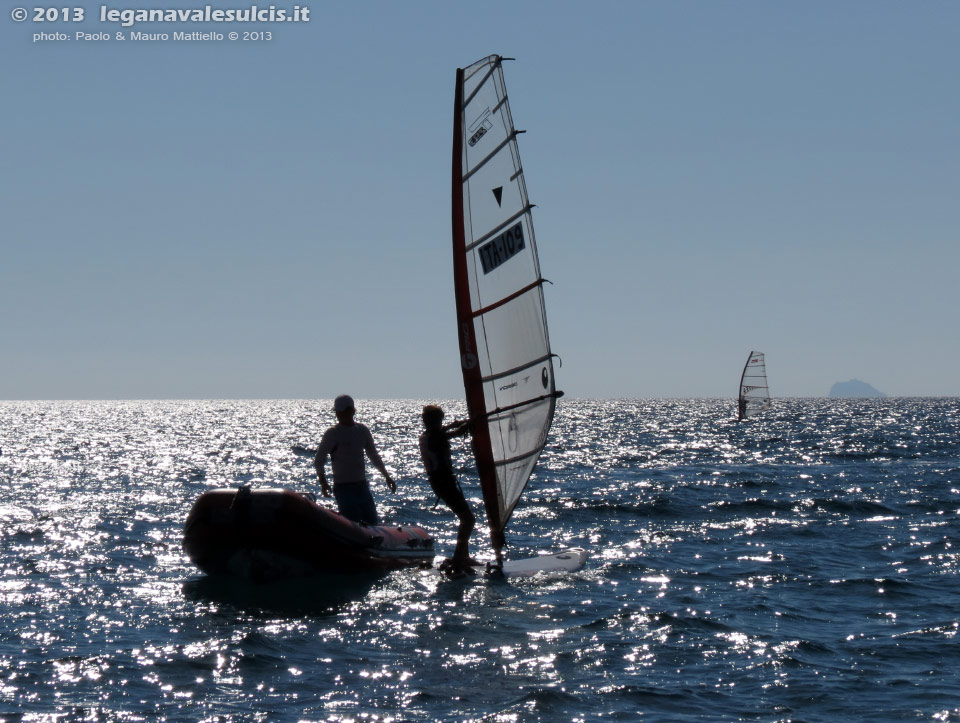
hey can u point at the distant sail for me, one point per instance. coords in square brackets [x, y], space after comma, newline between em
[504, 346]
[754, 394]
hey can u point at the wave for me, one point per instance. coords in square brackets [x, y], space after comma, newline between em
[853, 507]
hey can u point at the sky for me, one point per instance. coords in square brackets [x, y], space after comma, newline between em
[271, 218]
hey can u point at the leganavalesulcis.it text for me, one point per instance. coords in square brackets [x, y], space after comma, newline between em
[206, 14]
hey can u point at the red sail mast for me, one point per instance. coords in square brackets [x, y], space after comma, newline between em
[472, 375]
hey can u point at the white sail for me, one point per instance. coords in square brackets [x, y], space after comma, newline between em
[754, 393]
[505, 349]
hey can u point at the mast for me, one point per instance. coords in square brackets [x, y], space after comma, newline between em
[469, 364]
[741, 394]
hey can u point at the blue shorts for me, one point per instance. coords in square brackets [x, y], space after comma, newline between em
[355, 502]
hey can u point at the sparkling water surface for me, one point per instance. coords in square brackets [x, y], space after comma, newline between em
[800, 567]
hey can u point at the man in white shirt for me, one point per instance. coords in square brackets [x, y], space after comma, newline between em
[345, 444]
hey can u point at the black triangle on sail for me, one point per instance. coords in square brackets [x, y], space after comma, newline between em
[498, 194]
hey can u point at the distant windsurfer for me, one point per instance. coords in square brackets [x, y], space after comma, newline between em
[741, 408]
[345, 444]
[435, 452]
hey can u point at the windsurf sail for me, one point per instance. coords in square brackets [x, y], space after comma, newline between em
[502, 325]
[754, 394]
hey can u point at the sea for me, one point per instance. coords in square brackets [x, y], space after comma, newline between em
[802, 566]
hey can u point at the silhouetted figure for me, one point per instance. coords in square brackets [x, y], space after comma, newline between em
[345, 444]
[435, 452]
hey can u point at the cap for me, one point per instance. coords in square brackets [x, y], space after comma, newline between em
[343, 403]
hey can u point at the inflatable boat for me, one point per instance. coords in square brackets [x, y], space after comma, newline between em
[266, 534]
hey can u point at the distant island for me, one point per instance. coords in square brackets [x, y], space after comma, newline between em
[854, 388]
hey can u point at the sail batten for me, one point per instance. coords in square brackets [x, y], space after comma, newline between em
[515, 370]
[493, 68]
[508, 299]
[519, 458]
[497, 412]
[492, 153]
[494, 231]
[505, 351]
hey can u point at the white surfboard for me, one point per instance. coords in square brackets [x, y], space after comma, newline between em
[569, 560]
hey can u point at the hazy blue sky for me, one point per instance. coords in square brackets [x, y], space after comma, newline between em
[272, 219]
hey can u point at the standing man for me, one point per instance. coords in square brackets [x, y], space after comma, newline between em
[345, 444]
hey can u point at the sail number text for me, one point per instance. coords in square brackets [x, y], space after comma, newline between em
[502, 248]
